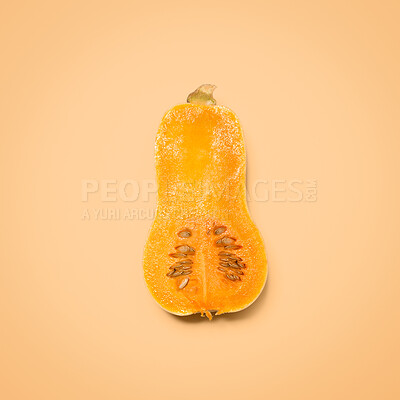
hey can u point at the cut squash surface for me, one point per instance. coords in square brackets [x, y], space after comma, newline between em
[203, 253]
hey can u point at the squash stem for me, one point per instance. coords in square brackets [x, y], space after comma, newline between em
[203, 95]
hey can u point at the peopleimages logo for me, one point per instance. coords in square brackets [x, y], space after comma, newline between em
[130, 196]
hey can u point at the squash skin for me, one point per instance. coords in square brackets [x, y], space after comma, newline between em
[201, 165]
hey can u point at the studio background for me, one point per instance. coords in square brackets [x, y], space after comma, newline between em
[83, 87]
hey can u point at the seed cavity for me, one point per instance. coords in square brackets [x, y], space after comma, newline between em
[219, 230]
[229, 263]
[181, 267]
[185, 233]
[184, 283]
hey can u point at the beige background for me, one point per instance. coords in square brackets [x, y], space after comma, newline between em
[83, 87]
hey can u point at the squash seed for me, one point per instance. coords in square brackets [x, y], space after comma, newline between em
[225, 241]
[239, 272]
[221, 269]
[186, 272]
[185, 233]
[183, 267]
[219, 230]
[185, 262]
[184, 283]
[225, 253]
[176, 273]
[233, 247]
[181, 263]
[170, 272]
[231, 265]
[241, 265]
[231, 277]
[224, 264]
[178, 255]
[228, 241]
[182, 249]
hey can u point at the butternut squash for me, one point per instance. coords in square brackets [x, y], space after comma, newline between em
[204, 254]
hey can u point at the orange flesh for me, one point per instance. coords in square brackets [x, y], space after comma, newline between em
[200, 163]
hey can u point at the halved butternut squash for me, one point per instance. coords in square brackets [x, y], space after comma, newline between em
[204, 252]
